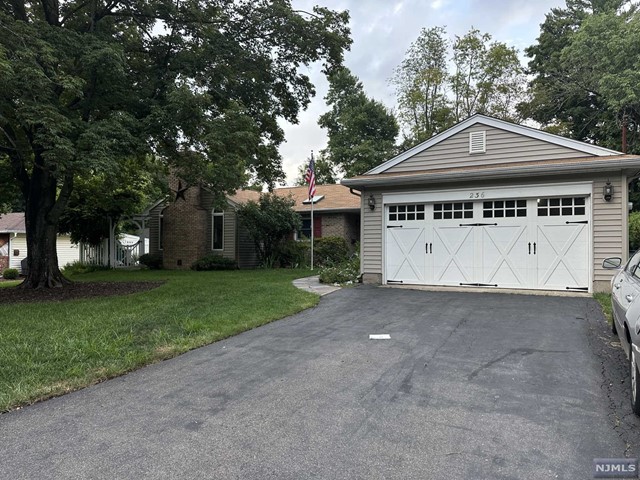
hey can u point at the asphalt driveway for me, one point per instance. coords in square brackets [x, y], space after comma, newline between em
[469, 386]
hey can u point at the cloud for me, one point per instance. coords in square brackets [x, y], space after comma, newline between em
[383, 30]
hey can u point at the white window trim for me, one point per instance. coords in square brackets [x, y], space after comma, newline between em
[213, 215]
[160, 221]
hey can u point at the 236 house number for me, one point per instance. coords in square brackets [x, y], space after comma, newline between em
[476, 195]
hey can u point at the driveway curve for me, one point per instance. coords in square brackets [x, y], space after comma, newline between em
[468, 386]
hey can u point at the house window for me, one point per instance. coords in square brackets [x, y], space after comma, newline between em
[445, 211]
[504, 208]
[160, 230]
[217, 227]
[305, 229]
[406, 212]
[555, 207]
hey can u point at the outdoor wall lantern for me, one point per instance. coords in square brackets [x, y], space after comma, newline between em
[372, 202]
[607, 191]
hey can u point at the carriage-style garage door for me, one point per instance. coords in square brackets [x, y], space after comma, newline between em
[536, 243]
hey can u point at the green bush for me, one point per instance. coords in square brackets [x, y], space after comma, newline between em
[293, 254]
[346, 272]
[213, 262]
[328, 251]
[79, 267]
[153, 261]
[10, 273]
[634, 230]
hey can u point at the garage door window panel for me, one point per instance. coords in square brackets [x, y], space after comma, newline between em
[504, 209]
[399, 213]
[561, 206]
[454, 210]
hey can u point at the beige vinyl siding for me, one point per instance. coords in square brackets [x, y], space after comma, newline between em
[502, 147]
[609, 223]
[372, 234]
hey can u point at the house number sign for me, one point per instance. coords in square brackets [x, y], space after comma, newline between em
[476, 195]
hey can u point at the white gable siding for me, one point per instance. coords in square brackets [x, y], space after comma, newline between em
[502, 147]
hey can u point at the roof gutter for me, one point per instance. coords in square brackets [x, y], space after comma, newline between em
[510, 172]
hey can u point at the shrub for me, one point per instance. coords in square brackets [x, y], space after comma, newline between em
[269, 222]
[79, 267]
[10, 273]
[293, 254]
[213, 262]
[153, 261]
[328, 251]
[344, 272]
[634, 230]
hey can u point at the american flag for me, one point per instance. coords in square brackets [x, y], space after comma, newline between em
[310, 178]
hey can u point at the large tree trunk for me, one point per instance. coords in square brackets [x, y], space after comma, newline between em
[43, 209]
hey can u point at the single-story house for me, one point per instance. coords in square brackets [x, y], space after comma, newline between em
[13, 243]
[494, 204]
[187, 228]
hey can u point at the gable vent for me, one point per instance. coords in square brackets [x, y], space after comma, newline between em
[478, 142]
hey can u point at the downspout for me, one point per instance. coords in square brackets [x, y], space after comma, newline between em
[352, 192]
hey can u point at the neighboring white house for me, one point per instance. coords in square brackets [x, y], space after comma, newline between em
[494, 204]
[13, 242]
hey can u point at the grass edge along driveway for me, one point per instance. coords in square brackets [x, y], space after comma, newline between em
[48, 349]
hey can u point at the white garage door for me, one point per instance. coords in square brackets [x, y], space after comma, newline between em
[540, 243]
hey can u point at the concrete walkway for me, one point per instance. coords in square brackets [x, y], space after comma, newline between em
[313, 285]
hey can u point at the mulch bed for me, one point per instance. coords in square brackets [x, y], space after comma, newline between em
[74, 291]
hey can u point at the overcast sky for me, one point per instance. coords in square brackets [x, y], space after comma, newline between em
[382, 31]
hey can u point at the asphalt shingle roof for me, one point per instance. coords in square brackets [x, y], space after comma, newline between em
[12, 223]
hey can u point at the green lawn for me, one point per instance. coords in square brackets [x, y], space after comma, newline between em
[51, 348]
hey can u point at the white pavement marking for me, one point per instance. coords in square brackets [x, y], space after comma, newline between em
[379, 336]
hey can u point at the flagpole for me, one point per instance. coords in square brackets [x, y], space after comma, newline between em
[311, 198]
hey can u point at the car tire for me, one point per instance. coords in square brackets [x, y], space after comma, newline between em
[614, 330]
[635, 382]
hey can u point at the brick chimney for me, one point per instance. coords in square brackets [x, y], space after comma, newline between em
[184, 226]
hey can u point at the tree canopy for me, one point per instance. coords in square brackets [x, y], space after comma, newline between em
[324, 170]
[486, 77]
[200, 84]
[361, 131]
[586, 64]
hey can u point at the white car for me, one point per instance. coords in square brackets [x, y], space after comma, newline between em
[625, 296]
